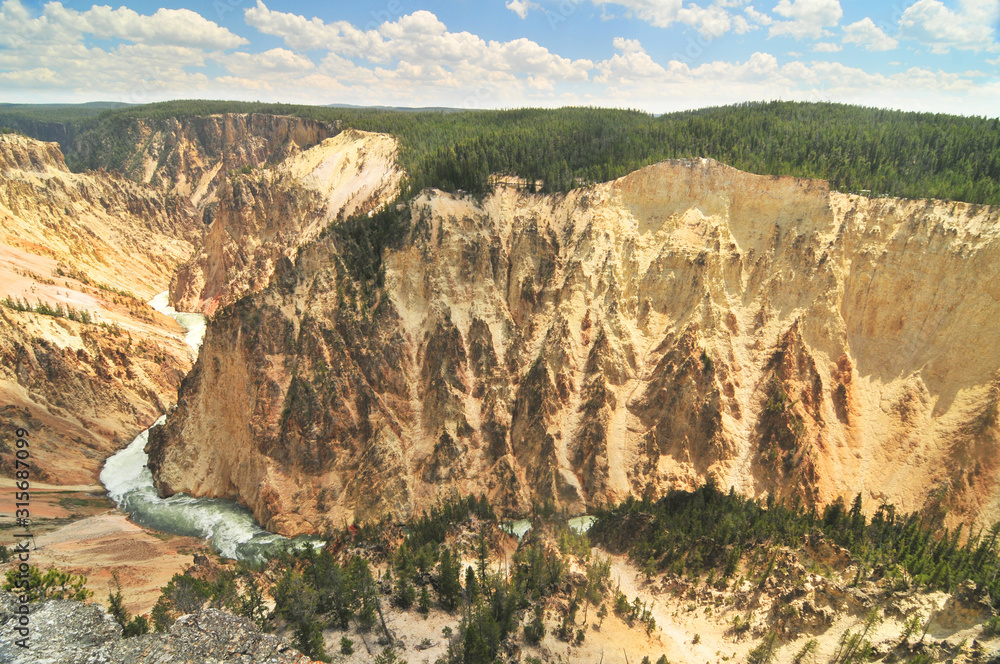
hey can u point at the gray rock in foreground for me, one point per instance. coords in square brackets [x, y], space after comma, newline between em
[67, 632]
[60, 632]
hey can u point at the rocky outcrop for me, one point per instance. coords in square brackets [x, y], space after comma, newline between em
[80, 391]
[266, 214]
[103, 244]
[73, 632]
[688, 321]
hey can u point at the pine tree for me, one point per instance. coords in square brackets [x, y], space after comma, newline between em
[765, 651]
[308, 637]
[250, 601]
[116, 607]
[405, 593]
[424, 604]
[482, 559]
[471, 586]
[449, 587]
[481, 641]
[138, 625]
[534, 631]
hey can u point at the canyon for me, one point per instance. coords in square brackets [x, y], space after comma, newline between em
[686, 322]
[371, 355]
[87, 363]
[100, 246]
[102, 243]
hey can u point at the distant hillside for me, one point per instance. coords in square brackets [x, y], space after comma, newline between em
[53, 122]
[881, 152]
[407, 109]
[95, 106]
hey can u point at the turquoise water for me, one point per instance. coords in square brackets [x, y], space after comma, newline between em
[517, 528]
[581, 524]
[193, 324]
[227, 526]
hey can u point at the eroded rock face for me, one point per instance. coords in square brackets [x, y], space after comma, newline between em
[116, 233]
[684, 322]
[266, 214]
[100, 245]
[193, 156]
[81, 392]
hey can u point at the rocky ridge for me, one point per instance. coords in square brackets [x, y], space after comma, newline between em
[103, 243]
[192, 156]
[82, 393]
[102, 227]
[684, 322]
[70, 632]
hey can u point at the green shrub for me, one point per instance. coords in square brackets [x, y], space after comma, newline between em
[991, 627]
[53, 584]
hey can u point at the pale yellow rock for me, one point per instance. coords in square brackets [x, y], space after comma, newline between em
[688, 321]
[267, 214]
[100, 244]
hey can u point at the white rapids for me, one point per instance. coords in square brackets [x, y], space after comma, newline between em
[229, 527]
[577, 524]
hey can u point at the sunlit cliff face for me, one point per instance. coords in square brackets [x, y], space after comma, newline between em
[684, 322]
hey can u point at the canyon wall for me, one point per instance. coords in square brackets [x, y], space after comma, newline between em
[192, 156]
[266, 214]
[100, 246]
[204, 207]
[688, 321]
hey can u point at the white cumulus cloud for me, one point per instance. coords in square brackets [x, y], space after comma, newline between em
[711, 19]
[58, 53]
[971, 27]
[660, 13]
[761, 76]
[158, 55]
[275, 61]
[760, 18]
[808, 19]
[629, 64]
[298, 32]
[417, 53]
[166, 27]
[865, 33]
[522, 7]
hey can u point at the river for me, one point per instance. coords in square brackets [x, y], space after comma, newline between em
[227, 526]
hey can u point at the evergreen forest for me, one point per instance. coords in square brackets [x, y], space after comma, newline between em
[446, 560]
[861, 150]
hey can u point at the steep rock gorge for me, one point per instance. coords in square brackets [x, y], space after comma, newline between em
[99, 246]
[266, 213]
[192, 155]
[105, 241]
[685, 322]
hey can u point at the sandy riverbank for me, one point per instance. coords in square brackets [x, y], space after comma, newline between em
[96, 545]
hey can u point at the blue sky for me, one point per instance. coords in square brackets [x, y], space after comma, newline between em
[657, 55]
